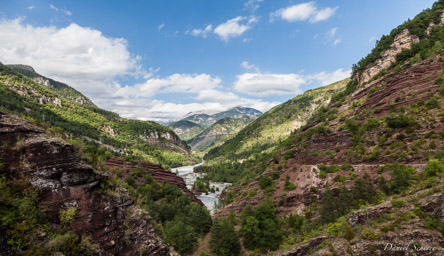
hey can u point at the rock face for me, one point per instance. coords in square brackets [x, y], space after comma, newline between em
[156, 136]
[42, 81]
[156, 172]
[403, 40]
[64, 180]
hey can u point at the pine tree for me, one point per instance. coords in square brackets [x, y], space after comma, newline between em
[328, 209]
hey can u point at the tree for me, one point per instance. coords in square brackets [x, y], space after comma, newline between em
[248, 211]
[328, 209]
[182, 237]
[263, 229]
[251, 232]
[400, 177]
[200, 219]
[224, 240]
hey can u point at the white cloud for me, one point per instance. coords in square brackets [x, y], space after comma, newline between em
[253, 5]
[202, 32]
[323, 14]
[64, 10]
[302, 12]
[234, 27]
[30, 7]
[176, 83]
[326, 78]
[263, 84]
[82, 57]
[160, 26]
[248, 66]
[268, 84]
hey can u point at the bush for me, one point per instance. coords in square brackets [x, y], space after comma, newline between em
[288, 185]
[371, 234]
[265, 182]
[398, 121]
[433, 168]
[400, 177]
[67, 216]
[397, 203]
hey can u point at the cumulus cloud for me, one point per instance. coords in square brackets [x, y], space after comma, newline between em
[263, 84]
[304, 11]
[82, 57]
[176, 83]
[31, 7]
[234, 27]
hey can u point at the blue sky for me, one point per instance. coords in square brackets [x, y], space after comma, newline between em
[160, 59]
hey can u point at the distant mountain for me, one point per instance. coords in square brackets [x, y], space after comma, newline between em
[237, 112]
[220, 130]
[194, 123]
[185, 129]
[205, 120]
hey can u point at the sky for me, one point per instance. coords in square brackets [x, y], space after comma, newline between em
[161, 59]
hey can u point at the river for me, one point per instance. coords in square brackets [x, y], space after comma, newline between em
[189, 176]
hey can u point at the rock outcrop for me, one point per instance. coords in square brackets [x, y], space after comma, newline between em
[403, 40]
[64, 180]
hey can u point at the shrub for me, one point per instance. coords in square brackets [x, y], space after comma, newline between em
[265, 182]
[433, 168]
[371, 234]
[397, 203]
[67, 216]
[398, 121]
[288, 185]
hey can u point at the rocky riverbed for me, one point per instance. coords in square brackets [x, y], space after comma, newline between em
[210, 200]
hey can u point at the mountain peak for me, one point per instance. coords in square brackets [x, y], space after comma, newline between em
[22, 67]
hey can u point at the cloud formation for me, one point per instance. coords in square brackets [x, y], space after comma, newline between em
[229, 29]
[302, 12]
[234, 27]
[264, 84]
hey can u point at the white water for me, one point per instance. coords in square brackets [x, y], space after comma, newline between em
[189, 176]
